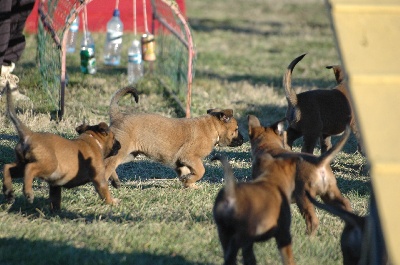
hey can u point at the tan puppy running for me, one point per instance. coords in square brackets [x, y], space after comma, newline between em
[180, 143]
[256, 211]
[59, 161]
[314, 174]
[317, 114]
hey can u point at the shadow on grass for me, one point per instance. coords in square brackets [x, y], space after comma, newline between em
[274, 81]
[360, 187]
[209, 25]
[24, 251]
[40, 209]
[148, 170]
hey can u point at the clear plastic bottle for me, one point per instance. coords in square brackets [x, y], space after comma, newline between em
[135, 64]
[112, 47]
[88, 59]
[73, 35]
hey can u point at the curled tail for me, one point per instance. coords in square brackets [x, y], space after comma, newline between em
[328, 156]
[287, 81]
[114, 110]
[230, 182]
[22, 129]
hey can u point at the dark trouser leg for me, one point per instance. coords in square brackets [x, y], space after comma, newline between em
[20, 11]
[5, 21]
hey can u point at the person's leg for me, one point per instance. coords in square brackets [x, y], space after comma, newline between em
[14, 14]
[5, 24]
[19, 13]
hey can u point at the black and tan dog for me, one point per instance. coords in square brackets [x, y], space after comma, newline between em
[353, 232]
[180, 143]
[317, 114]
[256, 211]
[59, 161]
[313, 173]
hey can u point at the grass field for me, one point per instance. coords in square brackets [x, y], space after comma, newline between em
[243, 48]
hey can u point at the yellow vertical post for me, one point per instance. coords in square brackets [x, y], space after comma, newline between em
[368, 39]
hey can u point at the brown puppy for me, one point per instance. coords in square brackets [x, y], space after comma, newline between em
[316, 114]
[180, 143]
[60, 162]
[314, 174]
[256, 211]
[351, 239]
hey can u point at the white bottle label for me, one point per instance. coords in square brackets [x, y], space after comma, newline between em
[114, 37]
[135, 58]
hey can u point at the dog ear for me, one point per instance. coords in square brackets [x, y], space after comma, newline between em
[223, 115]
[279, 127]
[213, 110]
[103, 128]
[81, 128]
[227, 115]
[253, 122]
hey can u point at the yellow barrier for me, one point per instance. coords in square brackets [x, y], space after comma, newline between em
[368, 39]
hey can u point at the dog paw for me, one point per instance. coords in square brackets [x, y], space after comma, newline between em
[9, 195]
[191, 186]
[10, 198]
[184, 178]
[116, 184]
[29, 197]
[115, 201]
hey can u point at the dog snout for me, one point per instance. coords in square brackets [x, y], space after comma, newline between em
[115, 148]
[238, 141]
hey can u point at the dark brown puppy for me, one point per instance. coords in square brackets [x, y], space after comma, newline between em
[180, 143]
[256, 211]
[342, 87]
[316, 114]
[313, 173]
[59, 161]
[351, 239]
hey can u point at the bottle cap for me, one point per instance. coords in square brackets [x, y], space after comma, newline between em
[116, 13]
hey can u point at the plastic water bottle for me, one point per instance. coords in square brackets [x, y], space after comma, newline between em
[135, 64]
[112, 47]
[88, 59]
[73, 35]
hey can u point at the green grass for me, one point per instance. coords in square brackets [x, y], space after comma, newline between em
[242, 49]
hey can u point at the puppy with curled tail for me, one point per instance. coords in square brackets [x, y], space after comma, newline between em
[318, 114]
[180, 143]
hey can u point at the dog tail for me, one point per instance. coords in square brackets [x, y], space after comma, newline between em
[287, 81]
[114, 110]
[338, 71]
[348, 217]
[230, 182]
[328, 156]
[22, 129]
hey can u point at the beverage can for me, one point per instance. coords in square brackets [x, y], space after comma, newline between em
[88, 61]
[148, 47]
